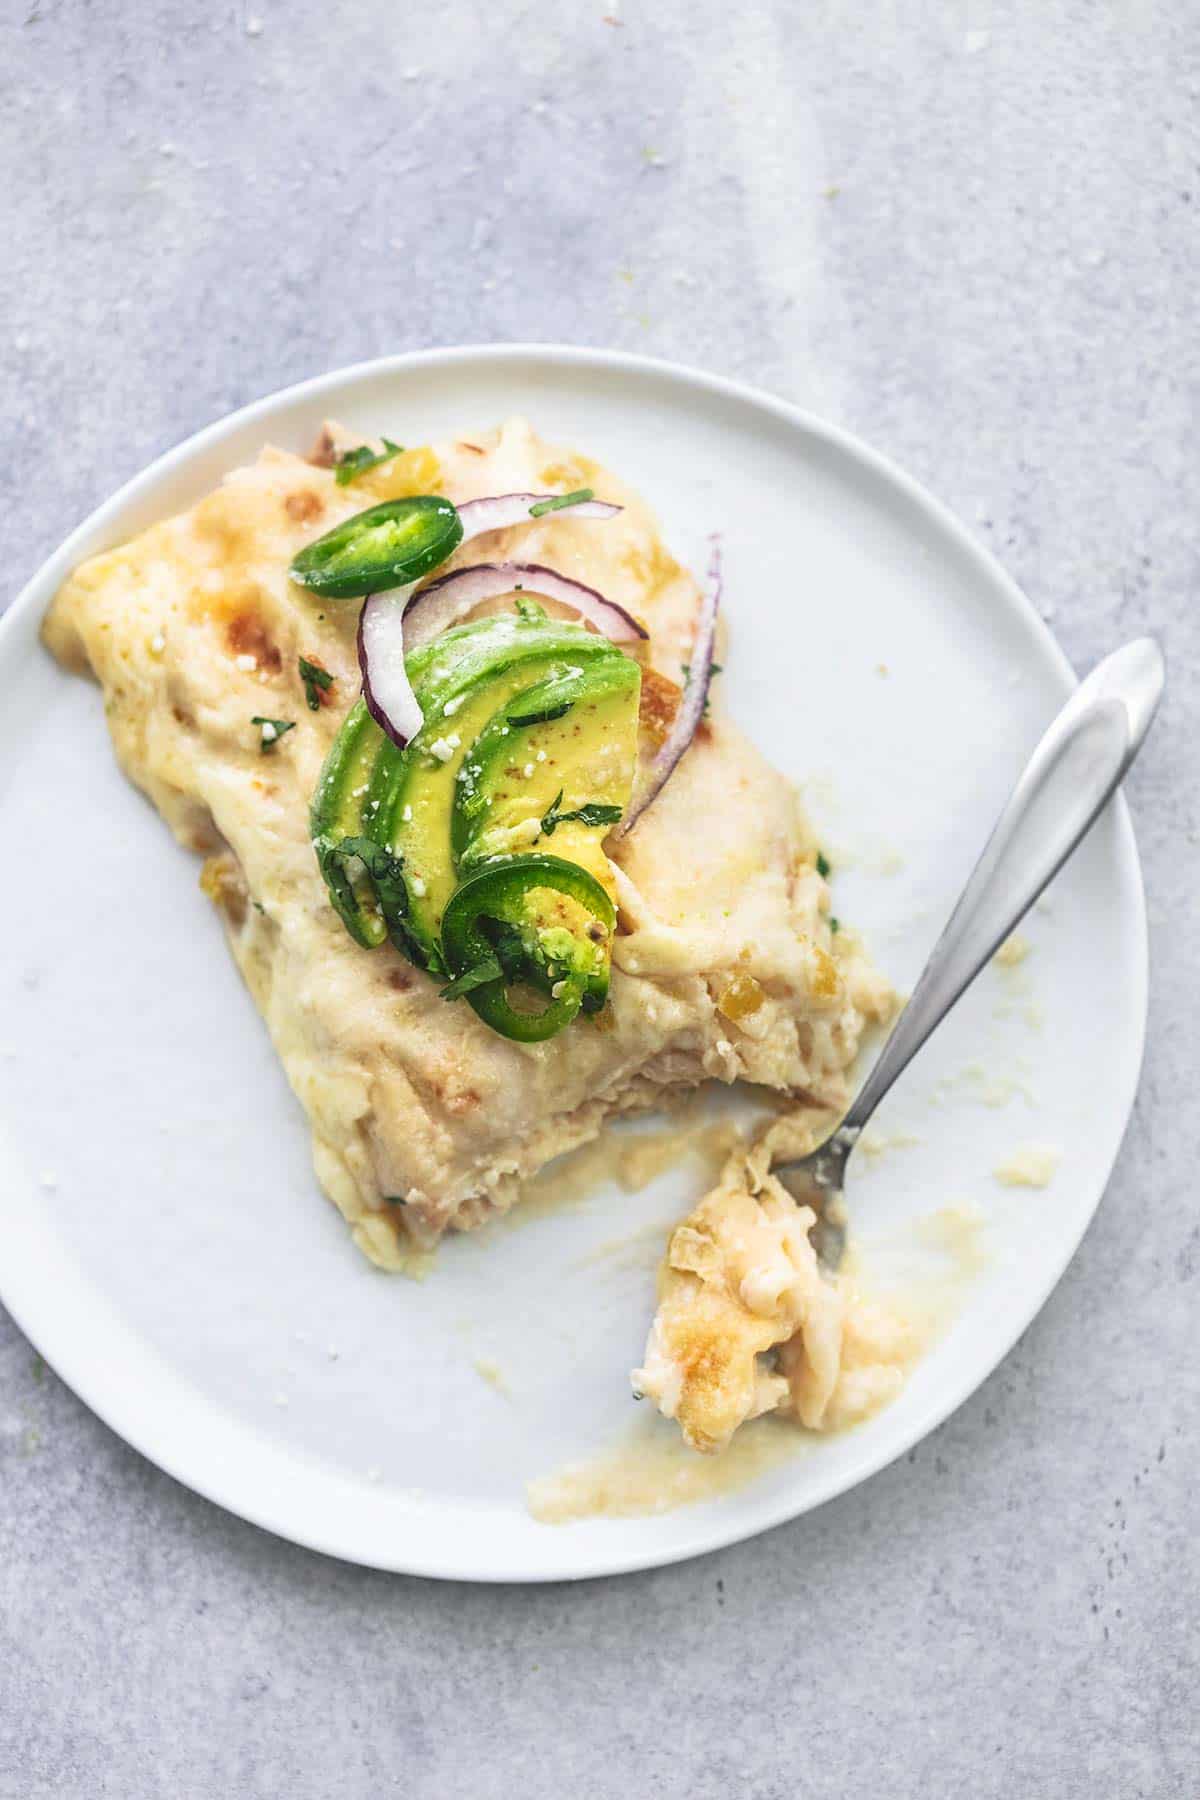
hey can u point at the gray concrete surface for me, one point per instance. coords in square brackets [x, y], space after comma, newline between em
[966, 231]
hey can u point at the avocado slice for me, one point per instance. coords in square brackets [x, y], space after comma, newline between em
[360, 763]
[552, 769]
[473, 672]
[336, 814]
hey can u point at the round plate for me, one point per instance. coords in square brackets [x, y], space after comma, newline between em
[162, 1239]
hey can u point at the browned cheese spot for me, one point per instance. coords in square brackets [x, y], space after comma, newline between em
[324, 451]
[304, 505]
[246, 635]
[659, 704]
[222, 880]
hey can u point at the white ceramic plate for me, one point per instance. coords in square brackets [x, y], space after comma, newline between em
[162, 1239]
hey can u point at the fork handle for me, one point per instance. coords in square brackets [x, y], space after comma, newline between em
[1066, 783]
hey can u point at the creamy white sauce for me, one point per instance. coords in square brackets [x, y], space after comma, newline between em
[651, 1470]
[982, 1087]
[892, 1322]
[630, 1159]
[874, 1144]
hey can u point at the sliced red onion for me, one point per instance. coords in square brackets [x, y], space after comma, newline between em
[691, 708]
[386, 687]
[498, 511]
[451, 597]
[382, 644]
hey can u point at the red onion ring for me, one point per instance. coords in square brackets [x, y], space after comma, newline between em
[382, 648]
[448, 599]
[387, 690]
[498, 511]
[695, 699]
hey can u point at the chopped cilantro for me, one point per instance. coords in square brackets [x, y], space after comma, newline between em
[559, 501]
[271, 730]
[509, 945]
[824, 866]
[594, 814]
[530, 610]
[835, 926]
[317, 681]
[385, 869]
[713, 669]
[488, 969]
[353, 463]
[395, 1199]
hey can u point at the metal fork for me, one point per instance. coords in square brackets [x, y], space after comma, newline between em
[1071, 775]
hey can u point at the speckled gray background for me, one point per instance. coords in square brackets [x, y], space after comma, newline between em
[965, 231]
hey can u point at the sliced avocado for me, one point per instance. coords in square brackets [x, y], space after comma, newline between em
[553, 768]
[554, 936]
[358, 762]
[409, 804]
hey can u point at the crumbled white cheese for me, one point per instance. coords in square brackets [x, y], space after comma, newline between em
[406, 815]
[452, 706]
[528, 770]
[541, 756]
[269, 733]
[1032, 1166]
[1012, 951]
[443, 748]
[417, 886]
[247, 662]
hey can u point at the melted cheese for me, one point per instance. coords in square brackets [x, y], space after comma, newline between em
[194, 628]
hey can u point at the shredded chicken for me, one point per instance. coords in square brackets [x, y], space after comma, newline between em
[747, 1320]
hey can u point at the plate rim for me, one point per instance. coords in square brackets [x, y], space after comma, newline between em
[120, 1413]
